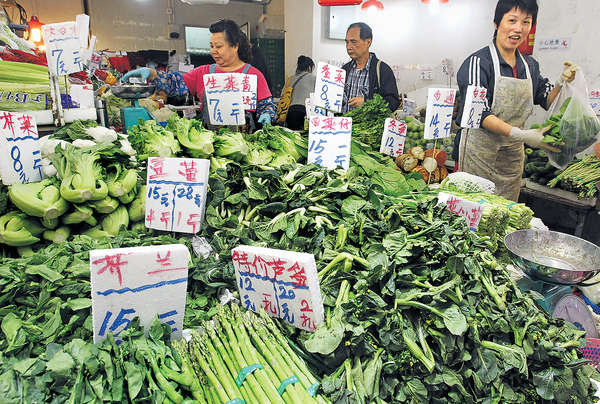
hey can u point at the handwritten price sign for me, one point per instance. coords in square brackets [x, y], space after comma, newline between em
[470, 210]
[329, 87]
[63, 49]
[595, 101]
[176, 196]
[283, 283]
[438, 120]
[312, 110]
[142, 282]
[394, 135]
[21, 160]
[475, 103]
[224, 98]
[329, 141]
[249, 90]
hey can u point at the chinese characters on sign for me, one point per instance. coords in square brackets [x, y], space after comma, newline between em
[21, 160]
[329, 87]
[470, 210]
[554, 43]
[176, 194]
[224, 98]
[595, 101]
[329, 141]
[144, 282]
[283, 283]
[63, 49]
[312, 110]
[475, 103]
[394, 135]
[249, 91]
[438, 120]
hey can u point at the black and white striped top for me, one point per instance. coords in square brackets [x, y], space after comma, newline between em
[478, 70]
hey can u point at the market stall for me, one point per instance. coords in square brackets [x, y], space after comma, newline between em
[157, 260]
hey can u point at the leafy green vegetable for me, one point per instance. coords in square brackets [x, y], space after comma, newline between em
[149, 139]
[369, 119]
[197, 141]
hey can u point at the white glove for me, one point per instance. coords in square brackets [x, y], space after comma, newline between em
[568, 74]
[533, 137]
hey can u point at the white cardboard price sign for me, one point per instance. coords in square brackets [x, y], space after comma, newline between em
[329, 141]
[312, 109]
[475, 103]
[595, 101]
[249, 91]
[394, 136]
[63, 49]
[224, 99]
[176, 194]
[21, 161]
[470, 210]
[284, 283]
[329, 87]
[143, 282]
[438, 120]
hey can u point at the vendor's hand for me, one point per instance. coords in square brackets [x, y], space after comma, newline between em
[568, 74]
[142, 72]
[264, 119]
[356, 102]
[533, 137]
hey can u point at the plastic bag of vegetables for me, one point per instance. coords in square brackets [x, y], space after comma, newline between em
[578, 125]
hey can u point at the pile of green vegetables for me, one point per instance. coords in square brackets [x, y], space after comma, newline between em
[552, 136]
[537, 166]
[415, 133]
[368, 120]
[92, 188]
[420, 286]
[581, 177]
[237, 356]
[271, 146]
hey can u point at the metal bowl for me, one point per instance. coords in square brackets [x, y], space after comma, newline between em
[553, 257]
[133, 91]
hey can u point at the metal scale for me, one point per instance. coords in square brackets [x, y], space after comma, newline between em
[134, 92]
[553, 263]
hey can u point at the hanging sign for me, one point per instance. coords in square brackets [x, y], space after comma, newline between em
[21, 160]
[438, 120]
[475, 103]
[224, 99]
[176, 194]
[394, 135]
[329, 87]
[470, 210]
[145, 282]
[329, 141]
[284, 283]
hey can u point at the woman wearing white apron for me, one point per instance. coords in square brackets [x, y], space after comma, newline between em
[514, 85]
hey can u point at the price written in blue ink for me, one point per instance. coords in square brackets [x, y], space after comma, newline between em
[145, 282]
[475, 104]
[394, 136]
[283, 283]
[228, 95]
[438, 119]
[329, 141]
[329, 87]
[22, 161]
[176, 194]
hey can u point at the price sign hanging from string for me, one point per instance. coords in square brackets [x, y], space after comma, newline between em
[329, 87]
[475, 103]
[438, 119]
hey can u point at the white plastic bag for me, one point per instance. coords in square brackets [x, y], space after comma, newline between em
[579, 125]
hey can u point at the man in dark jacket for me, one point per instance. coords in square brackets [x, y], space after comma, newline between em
[365, 74]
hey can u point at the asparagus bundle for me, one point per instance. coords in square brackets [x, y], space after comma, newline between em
[581, 177]
[242, 356]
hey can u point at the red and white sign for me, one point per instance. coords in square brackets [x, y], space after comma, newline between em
[284, 283]
[329, 87]
[144, 282]
[438, 119]
[394, 136]
[176, 194]
[329, 141]
[21, 161]
[475, 104]
[470, 210]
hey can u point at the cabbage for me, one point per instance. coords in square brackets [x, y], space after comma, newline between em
[231, 145]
